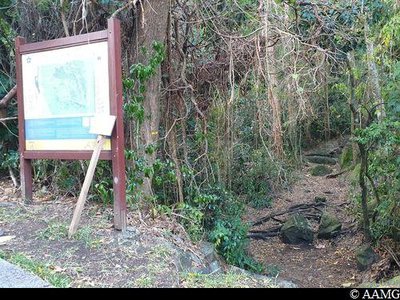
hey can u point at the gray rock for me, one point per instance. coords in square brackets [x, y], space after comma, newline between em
[1, 232]
[321, 170]
[132, 229]
[7, 204]
[285, 284]
[12, 276]
[207, 249]
[297, 230]
[128, 237]
[329, 227]
[278, 282]
[185, 263]
[365, 257]
[214, 267]
[188, 262]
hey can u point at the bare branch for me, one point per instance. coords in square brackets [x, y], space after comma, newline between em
[128, 4]
[6, 99]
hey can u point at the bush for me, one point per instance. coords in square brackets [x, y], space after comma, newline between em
[255, 177]
[383, 140]
[217, 214]
[230, 240]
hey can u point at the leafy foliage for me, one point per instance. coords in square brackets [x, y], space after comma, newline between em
[218, 95]
[217, 213]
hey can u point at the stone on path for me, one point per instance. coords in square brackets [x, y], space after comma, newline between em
[346, 158]
[12, 276]
[365, 257]
[321, 170]
[297, 230]
[329, 227]
[6, 239]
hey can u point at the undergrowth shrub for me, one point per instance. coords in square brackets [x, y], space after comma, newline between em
[217, 214]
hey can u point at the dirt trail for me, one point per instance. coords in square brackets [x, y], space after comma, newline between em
[325, 263]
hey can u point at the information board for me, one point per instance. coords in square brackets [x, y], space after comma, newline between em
[64, 89]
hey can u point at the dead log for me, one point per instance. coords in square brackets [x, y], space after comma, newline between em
[278, 220]
[264, 234]
[295, 208]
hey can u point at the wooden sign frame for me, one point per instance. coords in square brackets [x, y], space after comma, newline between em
[113, 38]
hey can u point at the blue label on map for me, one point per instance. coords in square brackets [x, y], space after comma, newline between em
[57, 129]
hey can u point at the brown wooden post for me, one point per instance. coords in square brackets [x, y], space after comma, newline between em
[117, 141]
[25, 164]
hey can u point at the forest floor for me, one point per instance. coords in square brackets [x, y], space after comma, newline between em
[325, 263]
[153, 252]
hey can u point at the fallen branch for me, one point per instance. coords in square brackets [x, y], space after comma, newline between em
[264, 234]
[278, 220]
[352, 228]
[335, 175]
[391, 252]
[340, 173]
[292, 209]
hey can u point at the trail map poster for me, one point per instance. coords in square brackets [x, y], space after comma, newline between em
[63, 90]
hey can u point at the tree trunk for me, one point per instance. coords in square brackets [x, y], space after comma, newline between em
[272, 84]
[373, 73]
[152, 27]
[352, 103]
[364, 191]
[327, 108]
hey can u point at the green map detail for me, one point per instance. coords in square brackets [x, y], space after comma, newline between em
[68, 88]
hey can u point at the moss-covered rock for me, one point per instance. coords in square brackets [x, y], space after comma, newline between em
[346, 158]
[297, 230]
[329, 227]
[355, 174]
[365, 257]
[321, 170]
